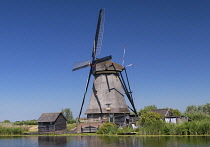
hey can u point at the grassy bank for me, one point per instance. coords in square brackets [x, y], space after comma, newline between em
[186, 128]
[11, 129]
[18, 129]
[158, 128]
[161, 128]
[71, 126]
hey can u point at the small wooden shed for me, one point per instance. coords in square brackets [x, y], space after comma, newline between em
[50, 122]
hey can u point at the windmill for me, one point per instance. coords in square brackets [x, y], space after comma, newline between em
[107, 100]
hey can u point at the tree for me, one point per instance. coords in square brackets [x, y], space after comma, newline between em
[198, 113]
[206, 108]
[149, 118]
[67, 113]
[176, 112]
[191, 109]
[6, 121]
[147, 109]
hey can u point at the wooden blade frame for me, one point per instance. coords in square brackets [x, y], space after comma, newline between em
[101, 60]
[80, 65]
[99, 35]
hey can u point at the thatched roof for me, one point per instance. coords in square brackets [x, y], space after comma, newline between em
[107, 96]
[163, 112]
[49, 117]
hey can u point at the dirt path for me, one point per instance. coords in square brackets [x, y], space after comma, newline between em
[33, 128]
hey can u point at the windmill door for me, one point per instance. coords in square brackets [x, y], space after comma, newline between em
[111, 118]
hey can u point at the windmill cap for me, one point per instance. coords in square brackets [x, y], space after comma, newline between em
[108, 67]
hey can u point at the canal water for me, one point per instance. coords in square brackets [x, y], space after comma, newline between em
[105, 141]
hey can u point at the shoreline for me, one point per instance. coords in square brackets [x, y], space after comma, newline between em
[93, 134]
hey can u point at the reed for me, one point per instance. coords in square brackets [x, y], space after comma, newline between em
[11, 129]
[186, 128]
[125, 130]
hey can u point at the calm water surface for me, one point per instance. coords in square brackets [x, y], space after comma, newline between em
[105, 141]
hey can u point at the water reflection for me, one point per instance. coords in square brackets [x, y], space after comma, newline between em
[174, 141]
[143, 141]
[104, 141]
[122, 141]
[52, 140]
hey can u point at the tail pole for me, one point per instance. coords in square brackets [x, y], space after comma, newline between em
[123, 56]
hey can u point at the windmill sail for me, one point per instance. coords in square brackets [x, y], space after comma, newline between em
[102, 59]
[99, 35]
[80, 65]
[96, 46]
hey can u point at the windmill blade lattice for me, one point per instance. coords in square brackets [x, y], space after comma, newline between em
[99, 35]
[80, 65]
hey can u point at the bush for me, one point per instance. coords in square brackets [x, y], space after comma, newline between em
[107, 128]
[150, 118]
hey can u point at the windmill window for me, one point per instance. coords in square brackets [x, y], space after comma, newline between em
[108, 105]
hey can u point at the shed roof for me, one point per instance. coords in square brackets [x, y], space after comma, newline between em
[162, 112]
[49, 117]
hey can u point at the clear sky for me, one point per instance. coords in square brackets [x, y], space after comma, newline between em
[168, 41]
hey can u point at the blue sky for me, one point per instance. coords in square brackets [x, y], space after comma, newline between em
[168, 42]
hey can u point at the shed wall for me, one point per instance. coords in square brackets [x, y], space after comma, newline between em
[46, 127]
[60, 123]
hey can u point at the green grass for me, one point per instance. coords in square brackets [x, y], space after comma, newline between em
[126, 130]
[71, 126]
[11, 129]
